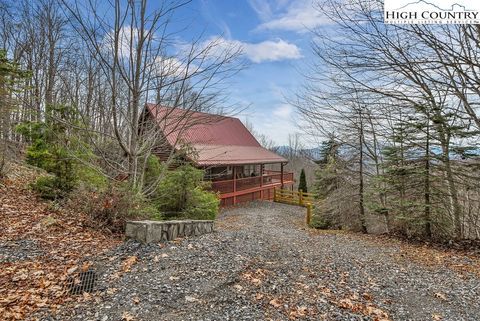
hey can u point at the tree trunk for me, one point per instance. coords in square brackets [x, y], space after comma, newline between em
[427, 203]
[360, 186]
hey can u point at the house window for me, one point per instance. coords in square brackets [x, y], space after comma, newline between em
[217, 173]
[250, 170]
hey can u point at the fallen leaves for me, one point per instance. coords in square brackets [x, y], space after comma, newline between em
[72, 270]
[86, 296]
[191, 299]
[259, 296]
[128, 263]
[361, 308]
[111, 291]
[156, 258]
[298, 312]
[367, 296]
[429, 255]
[238, 287]
[440, 296]
[255, 277]
[346, 304]
[126, 316]
[63, 240]
[26, 288]
[275, 303]
[304, 298]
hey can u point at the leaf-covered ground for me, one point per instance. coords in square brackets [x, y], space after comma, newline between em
[260, 264]
[40, 246]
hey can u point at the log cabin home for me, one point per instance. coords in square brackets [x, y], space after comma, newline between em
[239, 168]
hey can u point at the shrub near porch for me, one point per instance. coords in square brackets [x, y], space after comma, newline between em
[183, 194]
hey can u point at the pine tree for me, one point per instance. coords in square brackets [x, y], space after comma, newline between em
[326, 176]
[407, 177]
[326, 185]
[55, 148]
[328, 149]
[302, 186]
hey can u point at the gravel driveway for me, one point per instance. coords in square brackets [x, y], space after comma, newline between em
[262, 264]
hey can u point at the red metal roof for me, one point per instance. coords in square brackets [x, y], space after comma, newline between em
[217, 140]
[208, 155]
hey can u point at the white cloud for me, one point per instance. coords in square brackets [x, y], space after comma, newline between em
[283, 111]
[269, 50]
[273, 127]
[262, 8]
[298, 16]
[210, 13]
[127, 40]
[174, 67]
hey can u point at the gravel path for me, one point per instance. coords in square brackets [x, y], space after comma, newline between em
[262, 264]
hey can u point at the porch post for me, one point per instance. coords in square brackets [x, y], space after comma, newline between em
[261, 181]
[234, 185]
[281, 174]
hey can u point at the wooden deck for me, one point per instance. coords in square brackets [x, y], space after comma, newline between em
[234, 191]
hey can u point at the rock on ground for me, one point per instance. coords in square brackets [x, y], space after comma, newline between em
[263, 264]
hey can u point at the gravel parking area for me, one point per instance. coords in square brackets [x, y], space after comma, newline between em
[263, 264]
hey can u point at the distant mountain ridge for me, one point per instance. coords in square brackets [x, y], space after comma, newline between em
[311, 153]
[315, 153]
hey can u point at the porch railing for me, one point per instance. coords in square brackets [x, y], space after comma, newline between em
[241, 184]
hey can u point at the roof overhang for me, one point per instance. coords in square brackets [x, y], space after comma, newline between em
[217, 155]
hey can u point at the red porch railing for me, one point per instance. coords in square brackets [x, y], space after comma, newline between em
[240, 184]
[238, 190]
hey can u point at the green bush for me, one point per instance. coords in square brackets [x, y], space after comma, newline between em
[88, 176]
[50, 149]
[153, 171]
[110, 207]
[320, 222]
[183, 193]
[47, 187]
[203, 205]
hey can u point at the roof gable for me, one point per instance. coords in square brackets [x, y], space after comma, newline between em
[216, 139]
[201, 128]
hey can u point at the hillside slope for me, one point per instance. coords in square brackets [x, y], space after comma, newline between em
[40, 246]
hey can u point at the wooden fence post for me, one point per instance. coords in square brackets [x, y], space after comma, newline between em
[274, 194]
[300, 197]
[309, 213]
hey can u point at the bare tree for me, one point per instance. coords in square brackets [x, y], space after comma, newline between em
[423, 71]
[131, 50]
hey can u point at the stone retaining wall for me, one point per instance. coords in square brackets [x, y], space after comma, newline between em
[162, 231]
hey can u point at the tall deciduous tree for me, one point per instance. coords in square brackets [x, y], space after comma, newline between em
[401, 100]
[131, 48]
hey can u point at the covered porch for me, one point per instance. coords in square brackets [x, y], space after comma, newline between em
[244, 183]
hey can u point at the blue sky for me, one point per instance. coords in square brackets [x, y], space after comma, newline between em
[275, 38]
